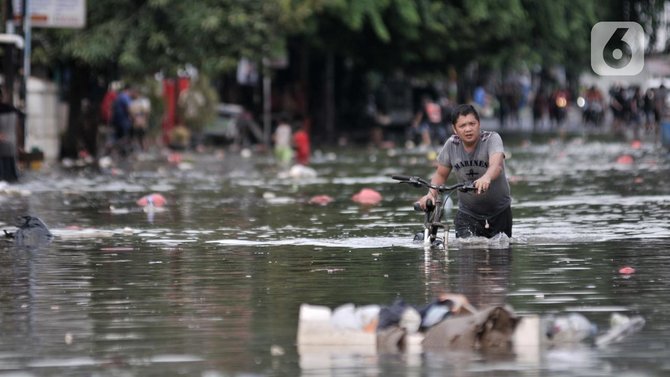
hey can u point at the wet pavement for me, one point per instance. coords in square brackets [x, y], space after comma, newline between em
[211, 285]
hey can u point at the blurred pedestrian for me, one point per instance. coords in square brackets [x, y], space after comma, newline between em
[244, 123]
[482, 100]
[514, 99]
[636, 111]
[558, 106]
[649, 113]
[480, 97]
[282, 143]
[302, 146]
[661, 99]
[661, 111]
[540, 108]
[594, 105]
[121, 119]
[478, 156]
[140, 109]
[503, 104]
[618, 107]
[107, 103]
[428, 123]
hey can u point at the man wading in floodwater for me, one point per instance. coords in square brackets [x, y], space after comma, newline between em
[477, 156]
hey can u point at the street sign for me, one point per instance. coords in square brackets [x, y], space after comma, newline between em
[53, 13]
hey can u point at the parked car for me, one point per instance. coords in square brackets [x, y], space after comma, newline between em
[233, 125]
[224, 129]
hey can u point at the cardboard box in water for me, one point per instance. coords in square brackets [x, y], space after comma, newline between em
[319, 343]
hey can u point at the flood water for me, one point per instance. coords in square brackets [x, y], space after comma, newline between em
[212, 285]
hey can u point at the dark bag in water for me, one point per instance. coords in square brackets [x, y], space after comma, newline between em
[31, 233]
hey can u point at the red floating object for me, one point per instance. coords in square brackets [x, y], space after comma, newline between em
[367, 196]
[156, 200]
[627, 270]
[321, 200]
[625, 159]
[174, 158]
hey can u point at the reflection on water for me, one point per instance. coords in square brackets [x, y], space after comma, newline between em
[212, 285]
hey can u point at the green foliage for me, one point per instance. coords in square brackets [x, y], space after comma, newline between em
[561, 31]
[153, 90]
[142, 37]
[430, 35]
[145, 36]
[485, 31]
[197, 105]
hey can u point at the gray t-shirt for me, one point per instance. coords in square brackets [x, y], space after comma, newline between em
[469, 167]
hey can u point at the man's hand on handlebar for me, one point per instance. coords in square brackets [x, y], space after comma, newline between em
[424, 199]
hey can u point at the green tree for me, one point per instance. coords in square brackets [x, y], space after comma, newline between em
[135, 39]
[425, 38]
[144, 37]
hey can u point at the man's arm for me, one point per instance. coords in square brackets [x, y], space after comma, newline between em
[496, 161]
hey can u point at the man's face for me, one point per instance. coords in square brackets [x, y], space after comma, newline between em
[467, 128]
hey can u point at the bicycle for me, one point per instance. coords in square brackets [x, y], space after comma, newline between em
[434, 212]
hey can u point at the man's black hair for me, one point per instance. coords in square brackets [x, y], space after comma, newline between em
[463, 110]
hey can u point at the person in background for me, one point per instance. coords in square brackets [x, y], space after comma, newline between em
[140, 109]
[558, 107]
[282, 140]
[108, 102]
[428, 123]
[636, 111]
[594, 105]
[618, 107]
[540, 108]
[649, 113]
[121, 119]
[660, 103]
[301, 146]
[478, 156]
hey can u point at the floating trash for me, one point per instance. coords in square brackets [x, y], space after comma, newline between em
[321, 200]
[367, 196]
[32, 232]
[627, 270]
[153, 200]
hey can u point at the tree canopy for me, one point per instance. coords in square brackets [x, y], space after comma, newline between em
[143, 37]
[148, 36]
[425, 35]
[422, 38]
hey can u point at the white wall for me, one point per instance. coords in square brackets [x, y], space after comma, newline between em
[45, 118]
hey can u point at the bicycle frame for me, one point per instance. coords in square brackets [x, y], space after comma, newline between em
[433, 221]
[435, 212]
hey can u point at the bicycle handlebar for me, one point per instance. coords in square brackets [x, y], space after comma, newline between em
[418, 182]
[404, 178]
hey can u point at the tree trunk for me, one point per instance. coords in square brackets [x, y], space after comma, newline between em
[82, 125]
[330, 97]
